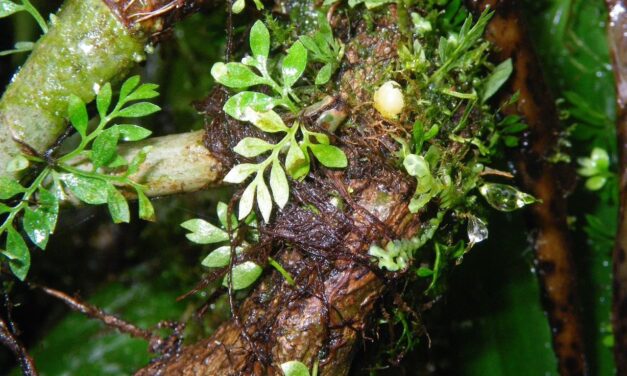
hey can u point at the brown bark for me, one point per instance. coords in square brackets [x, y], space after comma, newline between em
[553, 252]
[617, 37]
[336, 290]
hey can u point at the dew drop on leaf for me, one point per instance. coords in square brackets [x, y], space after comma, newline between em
[504, 197]
[477, 230]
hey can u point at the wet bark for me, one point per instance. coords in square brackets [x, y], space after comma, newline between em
[617, 37]
[553, 252]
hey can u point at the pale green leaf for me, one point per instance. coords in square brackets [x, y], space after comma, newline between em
[264, 200]
[329, 155]
[294, 368]
[279, 184]
[294, 64]
[7, 8]
[236, 105]
[235, 75]
[324, 74]
[296, 162]
[18, 163]
[269, 121]
[250, 147]
[218, 258]
[240, 173]
[416, 165]
[18, 48]
[203, 232]
[247, 200]
[77, 112]
[89, 190]
[244, 275]
[260, 40]
[595, 183]
[118, 206]
[222, 211]
[238, 6]
[138, 160]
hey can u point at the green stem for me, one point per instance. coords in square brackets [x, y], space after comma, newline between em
[25, 198]
[36, 15]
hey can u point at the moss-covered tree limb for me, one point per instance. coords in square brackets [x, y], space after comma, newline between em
[553, 250]
[617, 37]
[90, 42]
[178, 163]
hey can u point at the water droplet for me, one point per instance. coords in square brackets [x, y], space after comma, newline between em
[504, 197]
[477, 230]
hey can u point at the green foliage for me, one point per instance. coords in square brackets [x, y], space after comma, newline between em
[257, 108]
[294, 368]
[243, 273]
[60, 179]
[8, 8]
[324, 49]
[595, 168]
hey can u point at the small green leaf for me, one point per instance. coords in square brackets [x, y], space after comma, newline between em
[203, 232]
[240, 173]
[89, 190]
[77, 112]
[264, 200]
[146, 210]
[294, 64]
[236, 105]
[279, 184]
[4, 208]
[498, 77]
[131, 132]
[128, 86]
[235, 75]
[244, 275]
[118, 206]
[238, 6]
[103, 100]
[7, 8]
[17, 253]
[260, 40]
[296, 162]
[138, 160]
[140, 109]
[250, 147]
[145, 91]
[324, 74]
[247, 200]
[269, 121]
[36, 226]
[595, 183]
[424, 272]
[18, 48]
[19, 163]
[329, 155]
[104, 149]
[294, 368]
[310, 44]
[218, 258]
[432, 132]
[9, 188]
[222, 212]
[416, 165]
[49, 206]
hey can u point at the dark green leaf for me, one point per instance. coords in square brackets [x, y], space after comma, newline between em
[118, 206]
[89, 190]
[77, 112]
[498, 77]
[17, 253]
[9, 188]
[418, 134]
[146, 210]
[329, 155]
[244, 275]
[259, 40]
[235, 75]
[294, 64]
[104, 149]
[140, 109]
[36, 227]
[130, 132]
[103, 100]
[203, 232]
